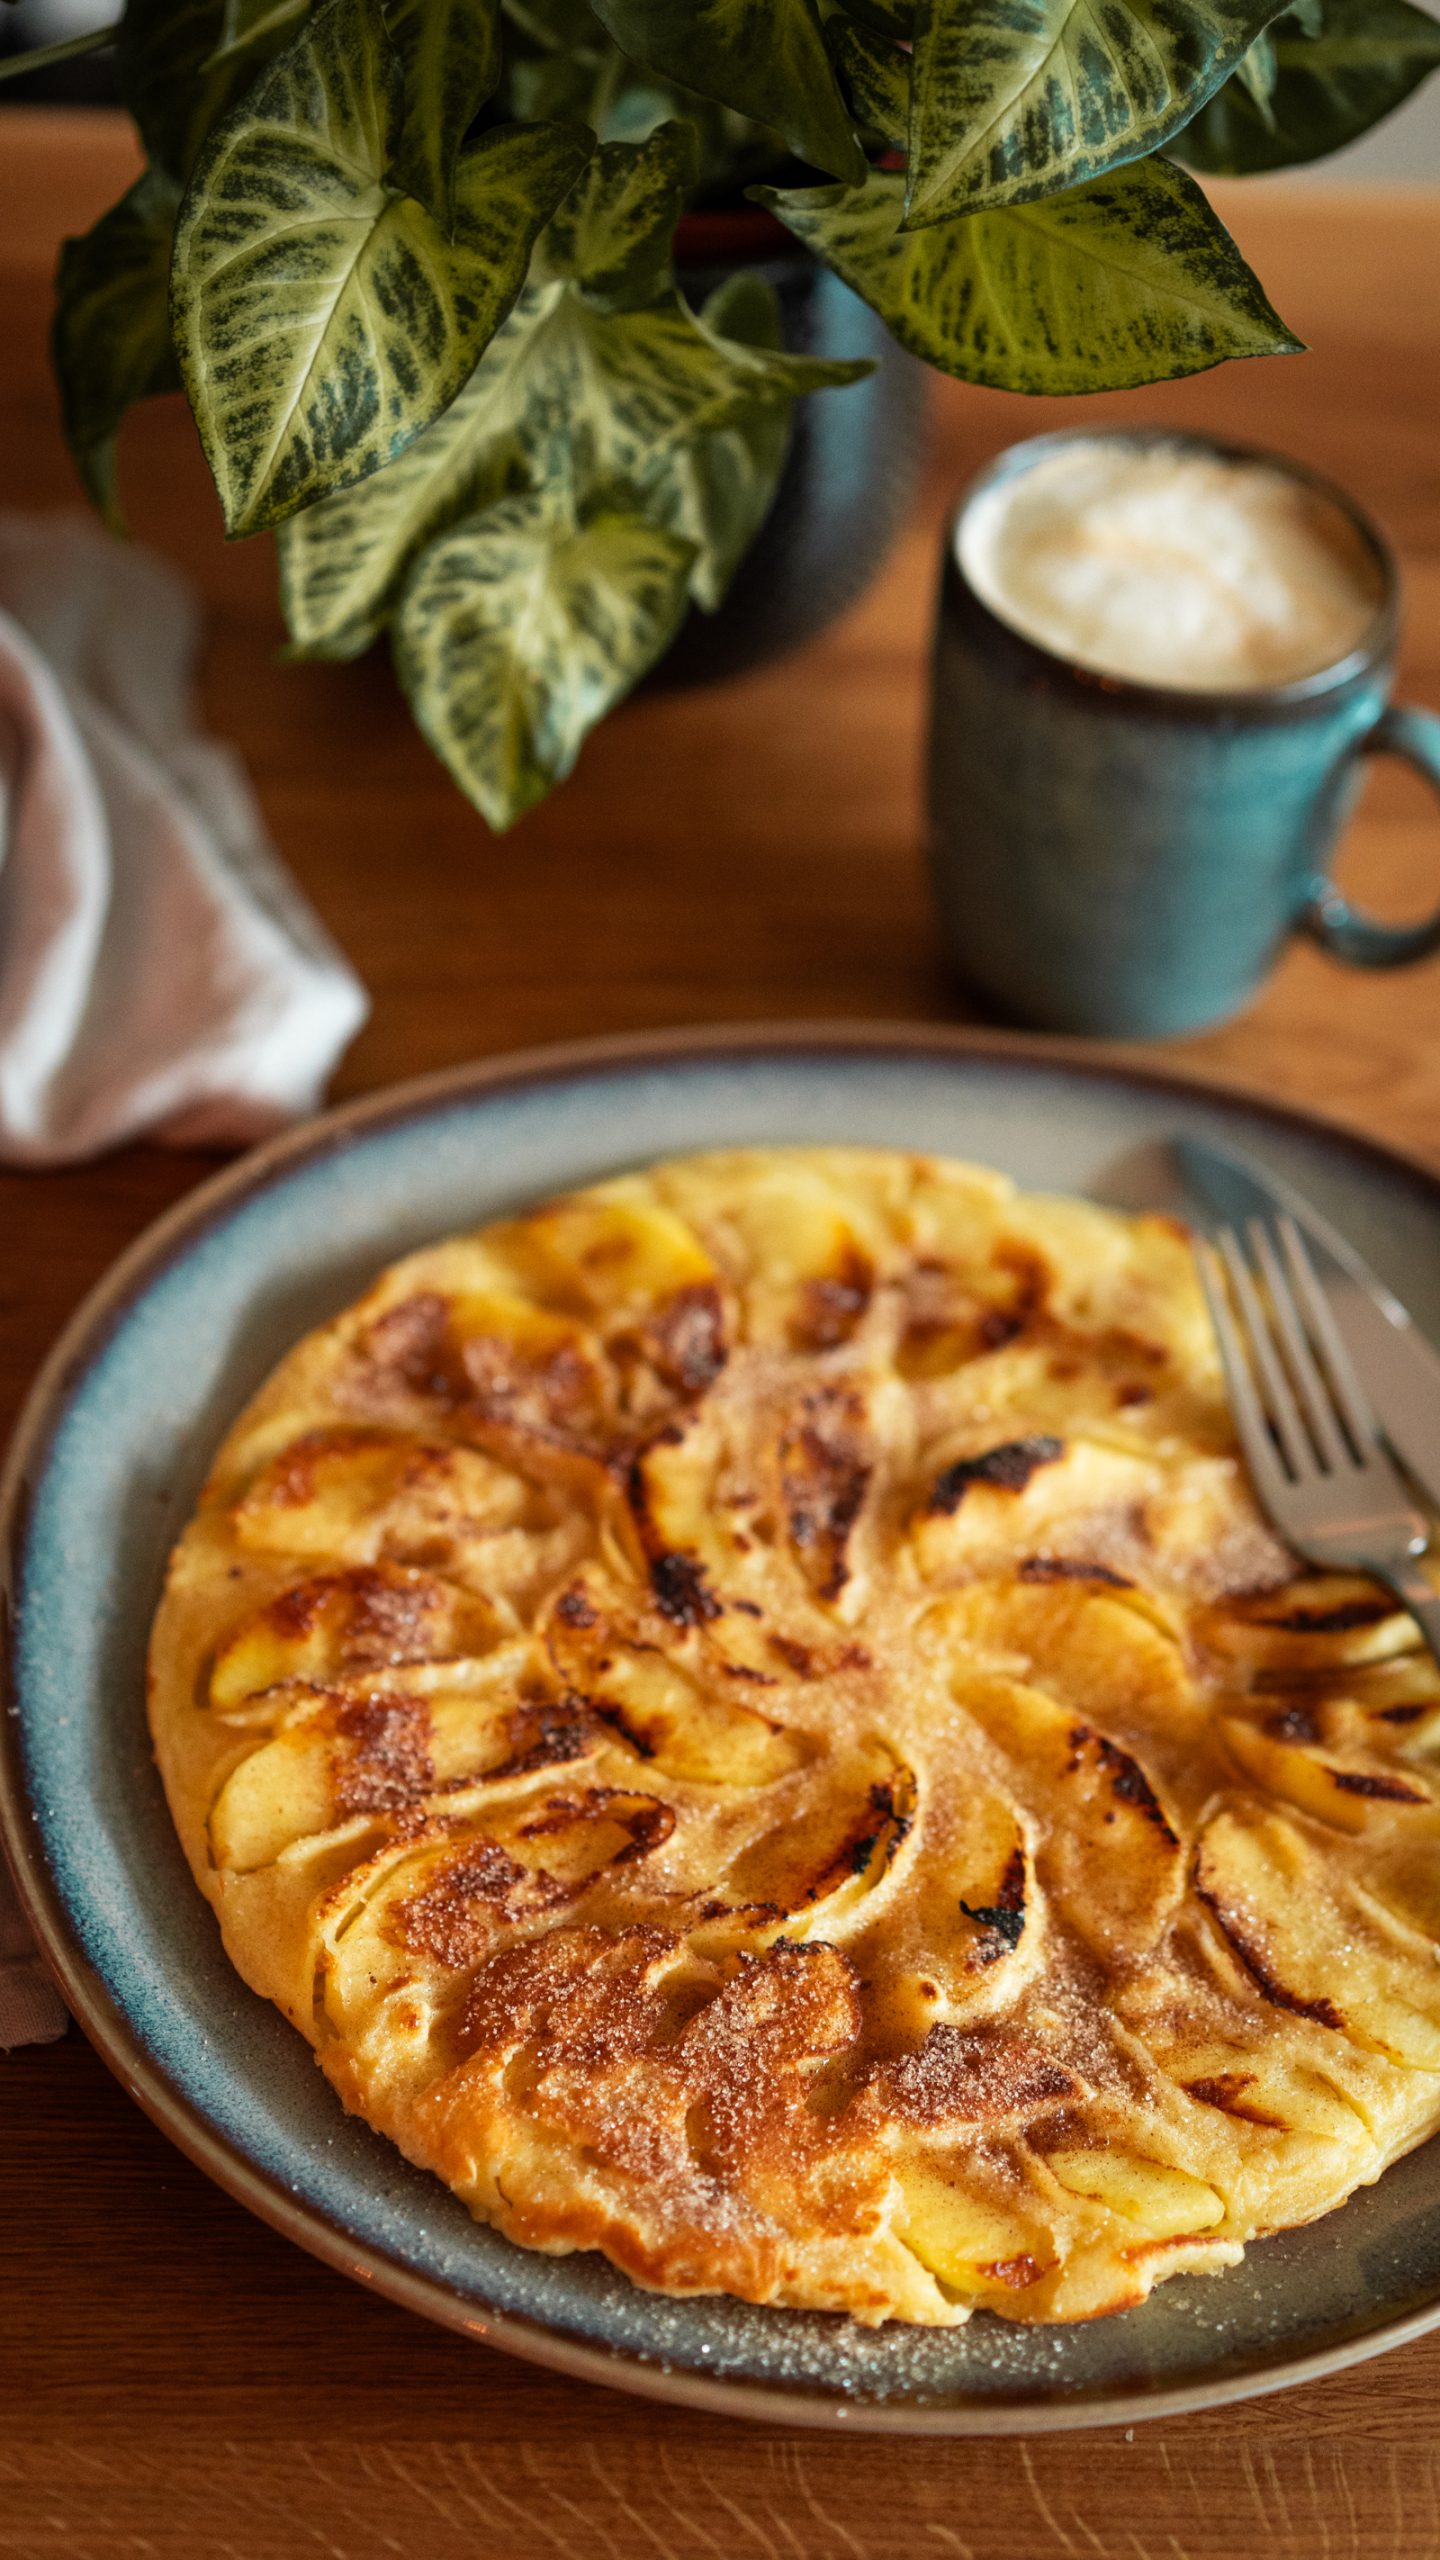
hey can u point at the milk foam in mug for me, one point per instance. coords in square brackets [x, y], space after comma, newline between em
[1172, 566]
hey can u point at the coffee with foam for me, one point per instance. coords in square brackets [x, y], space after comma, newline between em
[1171, 565]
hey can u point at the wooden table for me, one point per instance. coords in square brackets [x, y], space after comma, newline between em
[181, 2385]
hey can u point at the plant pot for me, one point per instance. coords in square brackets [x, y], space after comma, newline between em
[851, 472]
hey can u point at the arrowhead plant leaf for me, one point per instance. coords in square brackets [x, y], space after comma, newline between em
[321, 318]
[592, 399]
[1255, 72]
[719, 488]
[1130, 279]
[1017, 99]
[251, 30]
[1362, 60]
[449, 57]
[518, 631]
[572, 390]
[612, 235]
[877, 76]
[765, 57]
[111, 340]
[343, 562]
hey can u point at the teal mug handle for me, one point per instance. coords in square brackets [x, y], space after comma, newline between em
[1340, 928]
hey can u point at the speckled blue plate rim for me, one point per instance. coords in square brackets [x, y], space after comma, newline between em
[120, 2038]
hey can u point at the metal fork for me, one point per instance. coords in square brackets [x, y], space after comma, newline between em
[1307, 1428]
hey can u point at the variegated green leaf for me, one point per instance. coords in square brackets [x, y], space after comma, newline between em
[720, 488]
[1255, 72]
[321, 319]
[1130, 279]
[517, 632]
[1016, 99]
[570, 392]
[612, 234]
[449, 57]
[765, 57]
[566, 393]
[251, 30]
[623, 387]
[343, 562]
[1363, 59]
[172, 77]
[877, 76]
[112, 326]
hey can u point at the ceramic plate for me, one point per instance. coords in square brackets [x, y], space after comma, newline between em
[106, 1467]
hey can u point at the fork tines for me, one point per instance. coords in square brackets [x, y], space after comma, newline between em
[1299, 1408]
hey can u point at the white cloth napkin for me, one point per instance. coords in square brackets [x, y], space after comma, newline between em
[159, 970]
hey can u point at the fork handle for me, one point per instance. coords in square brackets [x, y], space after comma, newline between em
[1421, 1599]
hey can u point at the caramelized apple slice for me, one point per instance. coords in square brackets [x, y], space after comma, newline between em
[1098, 1651]
[374, 1753]
[321, 1495]
[547, 1335]
[371, 1496]
[980, 2251]
[1350, 1794]
[285, 1791]
[368, 1618]
[662, 1712]
[683, 1534]
[601, 1254]
[446, 1908]
[1110, 1855]
[713, 1742]
[1302, 1939]
[825, 1460]
[1401, 1700]
[964, 1296]
[975, 1901]
[1264, 2088]
[815, 1872]
[339, 1493]
[1320, 1622]
[1010, 1497]
[811, 1260]
[488, 1368]
[1163, 2203]
[995, 1907]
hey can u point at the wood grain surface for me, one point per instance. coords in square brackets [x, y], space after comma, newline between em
[177, 2383]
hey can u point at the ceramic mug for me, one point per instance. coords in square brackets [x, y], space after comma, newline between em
[1128, 859]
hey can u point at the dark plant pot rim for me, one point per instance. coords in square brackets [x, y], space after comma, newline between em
[738, 235]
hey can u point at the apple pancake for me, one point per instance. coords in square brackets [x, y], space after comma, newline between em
[750, 1717]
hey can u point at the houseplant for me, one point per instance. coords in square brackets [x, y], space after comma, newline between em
[412, 262]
